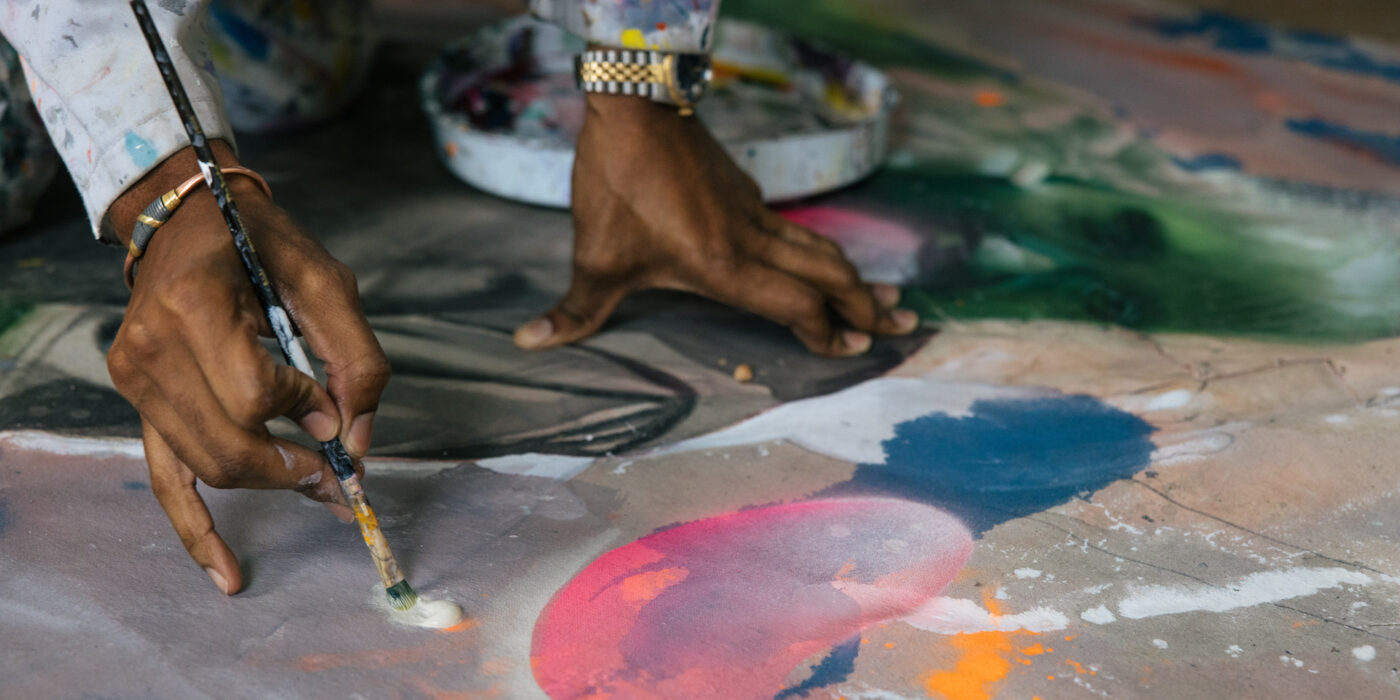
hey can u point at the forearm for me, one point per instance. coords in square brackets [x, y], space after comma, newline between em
[665, 25]
[99, 93]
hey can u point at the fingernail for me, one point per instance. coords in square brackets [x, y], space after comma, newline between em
[856, 341]
[344, 513]
[217, 578]
[904, 320]
[320, 425]
[886, 294]
[357, 441]
[533, 333]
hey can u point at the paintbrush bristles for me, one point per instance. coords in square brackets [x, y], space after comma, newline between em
[401, 596]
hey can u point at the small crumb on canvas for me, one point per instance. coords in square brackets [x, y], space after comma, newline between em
[743, 373]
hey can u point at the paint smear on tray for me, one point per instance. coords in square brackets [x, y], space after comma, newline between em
[730, 605]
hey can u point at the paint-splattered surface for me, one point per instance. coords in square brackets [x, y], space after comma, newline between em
[1169, 510]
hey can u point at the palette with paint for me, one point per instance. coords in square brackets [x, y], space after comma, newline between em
[797, 117]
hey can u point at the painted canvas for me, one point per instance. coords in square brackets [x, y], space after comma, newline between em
[1141, 447]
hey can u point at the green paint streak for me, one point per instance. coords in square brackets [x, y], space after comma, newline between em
[1077, 251]
[851, 26]
[1117, 234]
[12, 312]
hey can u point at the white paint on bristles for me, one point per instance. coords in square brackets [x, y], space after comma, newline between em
[1160, 643]
[1336, 419]
[959, 616]
[560, 467]
[851, 424]
[1365, 652]
[1099, 616]
[1234, 651]
[1254, 589]
[1027, 573]
[429, 613]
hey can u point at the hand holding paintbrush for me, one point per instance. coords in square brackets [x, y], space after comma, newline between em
[400, 594]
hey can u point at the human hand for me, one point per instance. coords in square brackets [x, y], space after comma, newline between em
[188, 358]
[657, 203]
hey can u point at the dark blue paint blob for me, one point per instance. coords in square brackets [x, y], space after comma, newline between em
[1230, 33]
[135, 486]
[1227, 32]
[4, 516]
[1009, 458]
[1383, 146]
[836, 667]
[1208, 161]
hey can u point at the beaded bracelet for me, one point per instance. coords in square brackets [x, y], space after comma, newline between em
[160, 210]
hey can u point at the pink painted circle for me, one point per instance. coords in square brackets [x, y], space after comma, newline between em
[729, 605]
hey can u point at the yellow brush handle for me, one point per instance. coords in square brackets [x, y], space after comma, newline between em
[384, 560]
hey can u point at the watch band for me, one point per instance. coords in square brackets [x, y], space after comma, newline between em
[668, 78]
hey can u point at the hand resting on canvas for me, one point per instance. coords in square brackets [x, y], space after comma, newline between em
[188, 358]
[657, 203]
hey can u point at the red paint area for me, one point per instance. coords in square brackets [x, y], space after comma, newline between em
[729, 606]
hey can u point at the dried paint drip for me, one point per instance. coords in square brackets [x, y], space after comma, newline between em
[429, 613]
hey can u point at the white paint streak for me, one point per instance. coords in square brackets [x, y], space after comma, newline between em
[561, 467]
[1255, 589]
[1027, 573]
[1234, 651]
[958, 615]
[1160, 643]
[851, 424]
[1365, 652]
[1192, 450]
[286, 458]
[1172, 399]
[40, 441]
[1099, 616]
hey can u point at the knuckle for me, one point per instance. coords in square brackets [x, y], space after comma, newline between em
[137, 341]
[328, 278]
[230, 468]
[808, 307]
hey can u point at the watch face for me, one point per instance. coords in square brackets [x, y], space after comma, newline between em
[693, 75]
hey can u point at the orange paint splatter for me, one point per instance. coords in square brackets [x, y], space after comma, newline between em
[988, 98]
[983, 663]
[644, 587]
[451, 149]
[889, 645]
[1078, 667]
[1071, 637]
[1033, 650]
[434, 654]
[989, 600]
[661, 26]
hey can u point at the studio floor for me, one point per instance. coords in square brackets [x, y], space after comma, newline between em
[1155, 395]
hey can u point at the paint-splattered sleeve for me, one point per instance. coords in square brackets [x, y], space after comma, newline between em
[669, 25]
[98, 90]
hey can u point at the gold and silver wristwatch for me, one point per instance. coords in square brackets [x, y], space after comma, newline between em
[678, 79]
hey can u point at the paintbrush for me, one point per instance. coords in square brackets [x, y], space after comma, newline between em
[401, 595]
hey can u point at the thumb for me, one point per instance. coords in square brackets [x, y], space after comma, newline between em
[174, 486]
[579, 314]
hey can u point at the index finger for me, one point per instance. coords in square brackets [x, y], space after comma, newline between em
[322, 295]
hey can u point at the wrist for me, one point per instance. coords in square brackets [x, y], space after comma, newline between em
[165, 177]
[628, 109]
